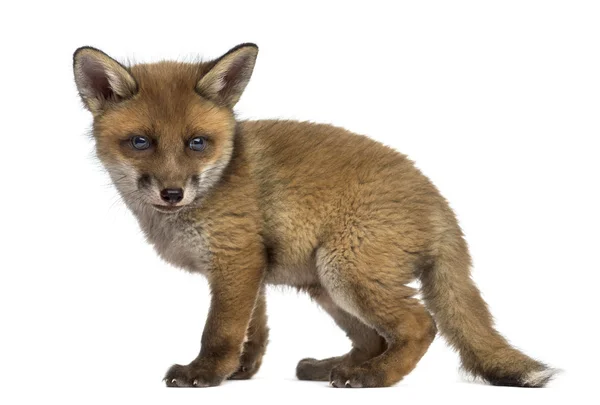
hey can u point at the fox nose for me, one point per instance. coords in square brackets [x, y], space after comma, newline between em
[172, 195]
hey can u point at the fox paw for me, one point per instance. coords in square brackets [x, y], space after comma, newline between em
[355, 377]
[249, 364]
[191, 376]
[316, 370]
[250, 361]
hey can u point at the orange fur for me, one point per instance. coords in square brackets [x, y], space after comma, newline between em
[338, 215]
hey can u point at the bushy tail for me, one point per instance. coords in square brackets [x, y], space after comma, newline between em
[463, 318]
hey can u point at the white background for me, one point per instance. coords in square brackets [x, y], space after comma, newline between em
[498, 102]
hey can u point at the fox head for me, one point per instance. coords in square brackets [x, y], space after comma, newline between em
[164, 131]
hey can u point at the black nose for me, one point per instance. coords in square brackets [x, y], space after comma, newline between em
[172, 195]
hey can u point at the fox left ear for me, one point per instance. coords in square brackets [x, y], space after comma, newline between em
[100, 79]
[228, 76]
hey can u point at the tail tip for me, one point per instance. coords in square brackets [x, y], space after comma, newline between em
[539, 378]
[533, 379]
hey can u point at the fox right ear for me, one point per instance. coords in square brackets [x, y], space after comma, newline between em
[100, 79]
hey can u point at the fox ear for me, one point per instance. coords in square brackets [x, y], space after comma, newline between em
[228, 76]
[100, 79]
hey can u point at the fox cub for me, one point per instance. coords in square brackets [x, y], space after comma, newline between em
[250, 203]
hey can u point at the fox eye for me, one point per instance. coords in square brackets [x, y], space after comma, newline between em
[198, 144]
[140, 142]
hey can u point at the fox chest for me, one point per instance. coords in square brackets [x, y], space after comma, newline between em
[179, 243]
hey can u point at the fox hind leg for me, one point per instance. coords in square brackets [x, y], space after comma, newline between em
[375, 292]
[366, 343]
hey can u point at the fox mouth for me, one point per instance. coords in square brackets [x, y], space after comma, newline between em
[167, 208]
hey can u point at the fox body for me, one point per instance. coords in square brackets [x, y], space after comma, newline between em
[250, 203]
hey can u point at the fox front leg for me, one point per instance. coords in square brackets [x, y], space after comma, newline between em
[255, 345]
[234, 296]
